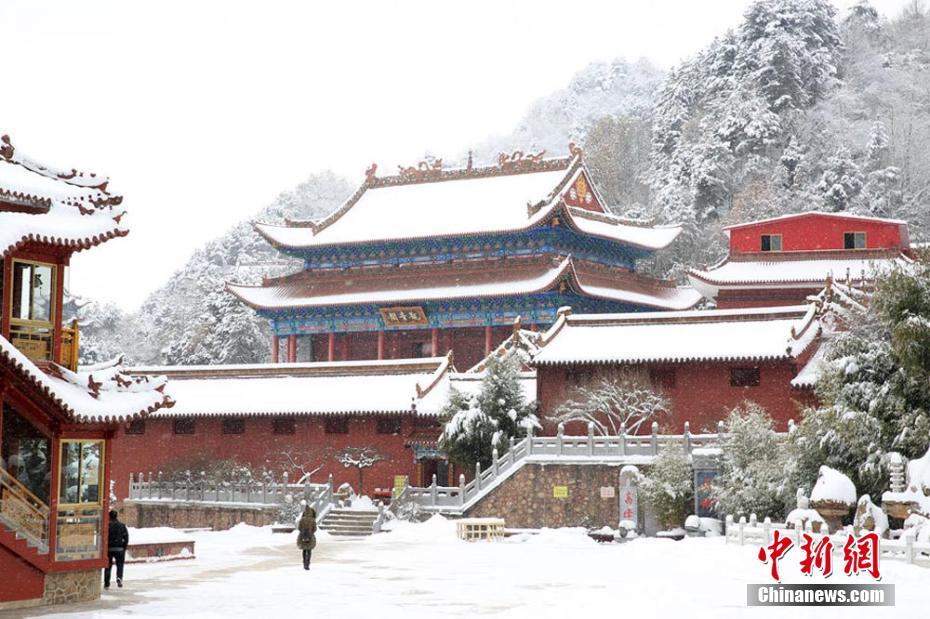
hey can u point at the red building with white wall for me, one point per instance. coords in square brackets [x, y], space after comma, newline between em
[705, 362]
[783, 260]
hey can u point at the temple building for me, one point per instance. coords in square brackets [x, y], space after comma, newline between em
[783, 260]
[433, 259]
[57, 420]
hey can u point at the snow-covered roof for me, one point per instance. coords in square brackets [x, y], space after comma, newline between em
[46, 205]
[104, 393]
[493, 277]
[521, 345]
[809, 374]
[470, 383]
[415, 386]
[673, 337]
[795, 269]
[432, 202]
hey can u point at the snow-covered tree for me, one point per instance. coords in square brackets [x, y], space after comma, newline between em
[752, 465]
[668, 486]
[359, 458]
[475, 425]
[625, 400]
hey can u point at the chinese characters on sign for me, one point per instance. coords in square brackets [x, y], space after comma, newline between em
[628, 503]
[859, 555]
[403, 316]
[560, 492]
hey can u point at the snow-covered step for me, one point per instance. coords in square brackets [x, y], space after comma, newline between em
[349, 522]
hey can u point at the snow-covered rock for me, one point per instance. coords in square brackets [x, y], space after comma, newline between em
[833, 486]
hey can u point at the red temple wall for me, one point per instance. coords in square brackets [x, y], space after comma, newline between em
[817, 232]
[764, 297]
[702, 394]
[160, 449]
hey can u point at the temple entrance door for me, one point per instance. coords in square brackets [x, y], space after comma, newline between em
[434, 466]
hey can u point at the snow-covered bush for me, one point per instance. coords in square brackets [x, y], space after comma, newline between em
[752, 465]
[668, 486]
[475, 425]
[623, 400]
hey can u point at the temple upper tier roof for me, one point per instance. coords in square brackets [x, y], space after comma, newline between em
[499, 277]
[519, 193]
[43, 204]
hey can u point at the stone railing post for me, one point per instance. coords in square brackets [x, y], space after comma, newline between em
[494, 465]
[433, 493]
[529, 440]
[741, 532]
[477, 476]
[767, 529]
[131, 495]
[510, 451]
[159, 484]
[728, 525]
[461, 489]
[686, 438]
[655, 438]
[720, 432]
[909, 545]
[590, 438]
[560, 438]
[623, 439]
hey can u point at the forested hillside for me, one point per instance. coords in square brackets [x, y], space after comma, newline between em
[799, 108]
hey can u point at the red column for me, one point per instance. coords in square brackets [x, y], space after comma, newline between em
[487, 340]
[6, 297]
[275, 349]
[434, 333]
[380, 345]
[59, 293]
[331, 347]
[291, 348]
[344, 347]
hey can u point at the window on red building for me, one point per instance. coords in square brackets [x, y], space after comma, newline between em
[136, 426]
[422, 350]
[663, 378]
[283, 425]
[337, 425]
[744, 377]
[389, 425]
[577, 377]
[184, 426]
[233, 425]
[771, 242]
[854, 240]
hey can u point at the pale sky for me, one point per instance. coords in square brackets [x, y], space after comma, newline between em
[201, 112]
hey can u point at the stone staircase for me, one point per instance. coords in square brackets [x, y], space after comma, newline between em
[349, 522]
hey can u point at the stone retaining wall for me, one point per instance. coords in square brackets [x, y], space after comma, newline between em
[72, 587]
[526, 500]
[181, 515]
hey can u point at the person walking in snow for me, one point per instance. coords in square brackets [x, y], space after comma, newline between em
[117, 541]
[306, 534]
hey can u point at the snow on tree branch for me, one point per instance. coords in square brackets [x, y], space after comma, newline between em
[623, 401]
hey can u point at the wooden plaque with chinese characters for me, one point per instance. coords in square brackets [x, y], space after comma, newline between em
[404, 316]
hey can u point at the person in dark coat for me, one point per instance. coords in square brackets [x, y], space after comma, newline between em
[117, 541]
[306, 534]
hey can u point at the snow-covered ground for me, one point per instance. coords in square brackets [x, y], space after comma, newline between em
[424, 571]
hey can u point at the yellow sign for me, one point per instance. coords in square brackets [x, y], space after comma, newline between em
[400, 482]
[560, 492]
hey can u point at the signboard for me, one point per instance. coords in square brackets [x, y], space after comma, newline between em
[400, 482]
[560, 492]
[706, 506]
[404, 316]
[608, 492]
[629, 504]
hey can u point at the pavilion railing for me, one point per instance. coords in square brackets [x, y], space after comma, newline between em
[23, 511]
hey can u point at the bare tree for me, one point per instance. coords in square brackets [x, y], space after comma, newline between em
[361, 458]
[625, 400]
[308, 462]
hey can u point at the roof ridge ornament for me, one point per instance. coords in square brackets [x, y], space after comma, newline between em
[519, 161]
[422, 171]
[575, 150]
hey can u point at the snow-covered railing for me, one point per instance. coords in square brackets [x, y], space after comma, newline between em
[154, 488]
[555, 449]
[905, 547]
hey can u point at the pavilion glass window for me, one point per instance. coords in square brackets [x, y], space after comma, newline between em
[771, 242]
[32, 310]
[744, 377]
[854, 240]
[80, 500]
[25, 455]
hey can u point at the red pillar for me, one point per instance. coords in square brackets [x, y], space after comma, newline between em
[331, 347]
[275, 349]
[380, 345]
[434, 335]
[344, 347]
[291, 348]
[487, 340]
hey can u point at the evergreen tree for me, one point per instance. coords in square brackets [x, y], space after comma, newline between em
[475, 425]
[668, 486]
